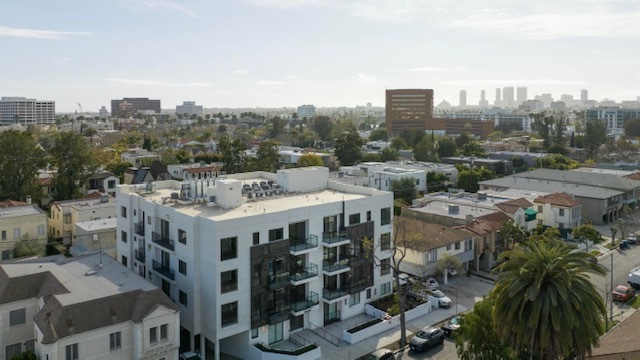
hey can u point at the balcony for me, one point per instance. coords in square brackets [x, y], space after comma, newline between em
[139, 254]
[279, 315]
[311, 300]
[334, 266]
[300, 274]
[278, 280]
[138, 228]
[297, 246]
[164, 270]
[335, 238]
[163, 240]
[333, 294]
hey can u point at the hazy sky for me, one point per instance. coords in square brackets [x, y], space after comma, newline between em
[272, 53]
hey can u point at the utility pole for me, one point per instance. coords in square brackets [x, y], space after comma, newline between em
[611, 292]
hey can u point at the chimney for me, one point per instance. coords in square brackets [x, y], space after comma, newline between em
[28, 199]
[70, 325]
[469, 219]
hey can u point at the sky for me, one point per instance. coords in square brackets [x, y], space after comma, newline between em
[277, 53]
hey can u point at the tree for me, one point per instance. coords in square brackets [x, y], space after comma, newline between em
[557, 149]
[207, 158]
[585, 233]
[74, 163]
[309, 160]
[222, 129]
[19, 164]
[476, 339]
[446, 262]
[446, 147]
[399, 143]
[468, 178]
[614, 232]
[472, 148]
[323, 127]
[464, 138]
[404, 189]
[519, 163]
[595, 134]
[27, 355]
[277, 126]
[425, 150]
[379, 134]
[543, 125]
[545, 304]
[347, 149]
[632, 127]
[233, 155]
[28, 247]
[389, 154]
[267, 156]
[437, 182]
[557, 161]
[513, 233]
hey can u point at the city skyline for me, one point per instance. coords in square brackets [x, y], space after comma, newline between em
[277, 53]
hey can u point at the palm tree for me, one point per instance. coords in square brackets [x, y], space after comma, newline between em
[545, 304]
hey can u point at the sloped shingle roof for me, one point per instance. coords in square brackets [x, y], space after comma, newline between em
[428, 236]
[512, 206]
[486, 224]
[558, 199]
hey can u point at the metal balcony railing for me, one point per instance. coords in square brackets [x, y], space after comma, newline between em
[164, 270]
[138, 228]
[163, 240]
[140, 254]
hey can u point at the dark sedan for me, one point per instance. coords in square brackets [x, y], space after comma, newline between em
[426, 338]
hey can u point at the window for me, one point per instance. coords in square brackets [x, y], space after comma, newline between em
[182, 236]
[125, 261]
[229, 281]
[385, 289]
[12, 351]
[115, 340]
[458, 245]
[257, 271]
[164, 329]
[16, 233]
[153, 335]
[560, 226]
[276, 234]
[30, 345]
[254, 333]
[256, 238]
[385, 216]
[230, 314]
[354, 299]
[40, 229]
[385, 267]
[182, 267]
[385, 241]
[71, 352]
[123, 212]
[368, 294]
[6, 254]
[111, 184]
[182, 298]
[4, 234]
[67, 219]
[432, 256]
[369, 215]
[561, 212]
[354, 219]
[229, 248]
[17, 317]
[448, 247]
[468, 245]
[123, 236]
[540, 209]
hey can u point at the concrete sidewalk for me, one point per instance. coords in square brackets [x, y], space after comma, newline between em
[354, 351]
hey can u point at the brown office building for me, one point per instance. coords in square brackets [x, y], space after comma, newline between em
[128, 107]
[409, 109]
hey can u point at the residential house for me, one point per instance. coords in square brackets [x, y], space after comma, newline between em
[488, 243]
[95, 235]
[559, 210]
[196, 171]
[139, 157]
[157, 171]
[21, 223]
[65, 214]
[256, 256]
[104, 182]
[88, 307]
[521, 211]
[622, 342]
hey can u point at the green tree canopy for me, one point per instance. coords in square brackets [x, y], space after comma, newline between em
[425, 150]
[446, 147]
[437, 182]
[347, 148]
[233, 155]
[379, 134]
[595, 134]
[404, 189]
[310, 160]
[632, 127]
[389, 154]
[267, 156]
[74, 163]
[19, 164]
[586, 232]
[557, 161]
[399, 143]
[468, 178]
[545, 303]
[323, 127]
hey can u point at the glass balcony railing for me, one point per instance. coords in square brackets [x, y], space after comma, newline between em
[279, 279]
[303, 244]
[331, 265]
[304, 273]
[335, 236]
[311, 300]
[139, 254]
[331, 294]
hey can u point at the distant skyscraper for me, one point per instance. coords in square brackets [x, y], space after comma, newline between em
[19, 110]
[483, 99]
[498, 101]
[567, 99]
[408, 109]
[584, 95]
[521, 95]
[103, 112]
[306, 111]
[463, 98]
[508, 96]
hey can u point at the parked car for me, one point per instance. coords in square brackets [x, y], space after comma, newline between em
[623, 293]
[190, 355]
[452, 325]
[452, 272]
[632, 239]
[443, 300]
[634, 278]
[431, 284]
[426, 338]
[381, 354]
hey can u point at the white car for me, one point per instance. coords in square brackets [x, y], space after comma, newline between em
[452, 272]
[431, 284]
[443, 300]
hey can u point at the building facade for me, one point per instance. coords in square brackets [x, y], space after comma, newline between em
[252, 257]
[21, 223]
[24, 111]
[65, 214]
[408, 109]
[190, 108]
[306, 112]
[127, 107]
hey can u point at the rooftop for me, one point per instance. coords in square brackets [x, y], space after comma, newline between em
[439, 207]
[603, 180]
[17, 211]
[585, 191]
[97, 225]
[87, 203]
[622, 342]
[558, 199]
[607, 171]
[424, 236]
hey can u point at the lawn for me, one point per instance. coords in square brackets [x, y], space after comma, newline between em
[596, 252]
[635, 302]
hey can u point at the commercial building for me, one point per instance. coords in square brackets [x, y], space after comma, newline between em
[306, 112]
[24, 111]
[613, 116]
[190, 108]
[463, 98]
[409, 109]
[521, 95]
[254, 256]
[21, 223]
[508, 97]
[88, 307]
[127, 107]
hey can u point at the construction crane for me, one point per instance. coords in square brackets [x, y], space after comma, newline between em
[79, 109]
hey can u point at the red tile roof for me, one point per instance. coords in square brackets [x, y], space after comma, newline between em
[558, 199]
[10, 203]
[634, 176]
[45, 181]
[486, 224]
[512, 206]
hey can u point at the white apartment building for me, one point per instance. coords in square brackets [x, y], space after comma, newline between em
[65, 214]
[382, 175]
[88, 307]
[559, 210]
[20, 110]
[252, 257]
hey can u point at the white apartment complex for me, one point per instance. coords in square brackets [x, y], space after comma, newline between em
[20, 110]
[88, 307]
[250, 258]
